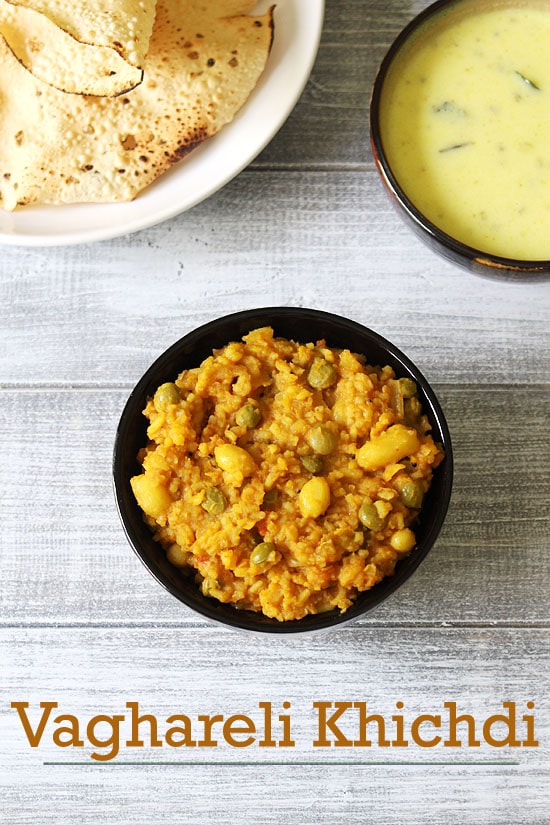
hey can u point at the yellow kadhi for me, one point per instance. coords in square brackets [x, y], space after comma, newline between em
[465, 124]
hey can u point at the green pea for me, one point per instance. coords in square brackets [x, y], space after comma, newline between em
[312, 463]
[411, 495]
[413, 409]
[214, 501]
[322, 439]
[262, 552]
[407, 387]
[321, 374]
[369, 518]
[270, 497]
[165, 395]
[248, 416]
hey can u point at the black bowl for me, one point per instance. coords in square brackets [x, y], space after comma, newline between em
[475, 260]
[301, 325]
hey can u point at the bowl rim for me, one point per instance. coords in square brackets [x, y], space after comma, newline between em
[488, 262]
[136, 530]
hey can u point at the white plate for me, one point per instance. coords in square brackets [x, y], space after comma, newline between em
[298, 25]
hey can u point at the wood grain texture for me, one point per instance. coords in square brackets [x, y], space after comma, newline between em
[171, 674]
[83, 623]
[99, 314]
[328, 127]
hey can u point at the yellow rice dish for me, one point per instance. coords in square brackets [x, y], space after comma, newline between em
[285, 476]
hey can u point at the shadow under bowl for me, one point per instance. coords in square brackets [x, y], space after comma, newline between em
[302, 325]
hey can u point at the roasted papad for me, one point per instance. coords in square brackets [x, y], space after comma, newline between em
[95, 48]
[201, 67]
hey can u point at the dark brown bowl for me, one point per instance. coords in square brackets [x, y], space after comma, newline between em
[301, 325]
[475, 260]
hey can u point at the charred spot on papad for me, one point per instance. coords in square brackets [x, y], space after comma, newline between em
[203, 63]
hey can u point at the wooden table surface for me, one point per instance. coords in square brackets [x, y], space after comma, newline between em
[82, 623]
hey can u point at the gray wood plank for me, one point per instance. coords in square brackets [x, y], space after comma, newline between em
[95, 671]
[329, 126]
[99, 314]
[66, 560]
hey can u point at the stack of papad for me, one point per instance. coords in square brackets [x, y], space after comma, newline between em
[204, 60]
[82, 46]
